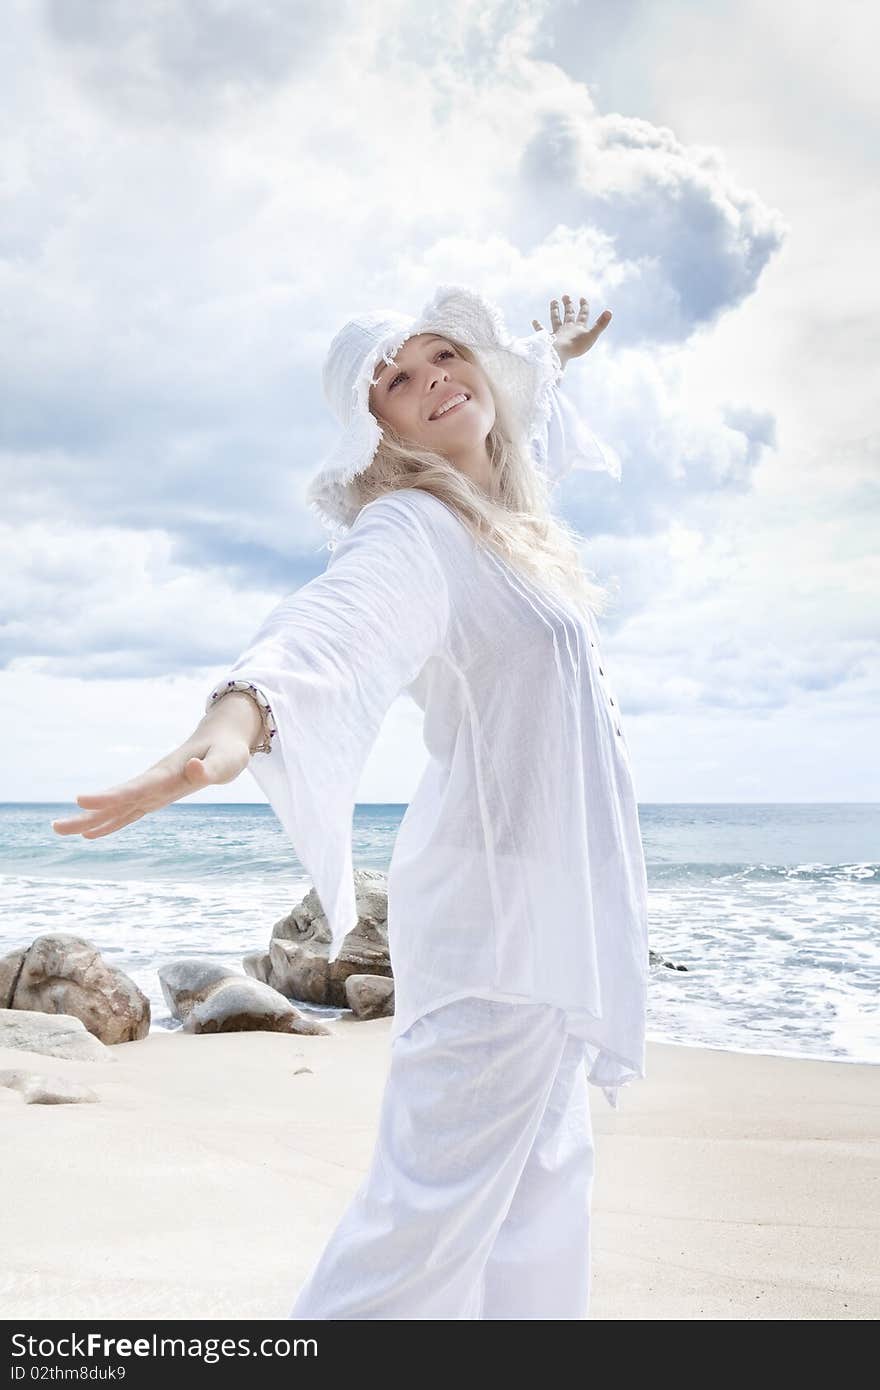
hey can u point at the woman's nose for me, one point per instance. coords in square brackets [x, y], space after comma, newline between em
[437, 378]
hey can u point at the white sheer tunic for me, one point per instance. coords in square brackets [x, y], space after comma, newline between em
[518, 870]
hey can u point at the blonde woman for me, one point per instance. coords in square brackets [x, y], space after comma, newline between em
[517, 896]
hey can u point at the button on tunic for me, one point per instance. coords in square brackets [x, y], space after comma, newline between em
[518, 869]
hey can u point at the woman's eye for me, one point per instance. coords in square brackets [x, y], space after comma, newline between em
[445, 352]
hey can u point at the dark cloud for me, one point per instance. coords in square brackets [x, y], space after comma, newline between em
[694, 244]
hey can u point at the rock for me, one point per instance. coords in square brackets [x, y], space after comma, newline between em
[188, 980]
[10, 969]
[55, 1035]
[370, 996]
[238, 1004]
[64, 974]
[36, 1089]
[298, 965]
[654, 958]
[258, 966]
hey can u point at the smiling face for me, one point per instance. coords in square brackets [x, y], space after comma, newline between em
[427, 371]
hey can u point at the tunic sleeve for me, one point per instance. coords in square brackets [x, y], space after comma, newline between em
[567, 442]
[331, 658]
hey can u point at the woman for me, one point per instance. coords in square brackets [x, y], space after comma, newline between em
[517, 898]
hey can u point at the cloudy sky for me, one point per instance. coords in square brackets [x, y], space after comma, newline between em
[197, 194]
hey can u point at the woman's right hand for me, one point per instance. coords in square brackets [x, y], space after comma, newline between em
[217, 751]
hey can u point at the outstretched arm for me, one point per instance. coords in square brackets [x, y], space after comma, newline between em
[330, 659]
[220, 747]
[567, 442]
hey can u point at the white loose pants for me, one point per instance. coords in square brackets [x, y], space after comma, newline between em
[477, 1200]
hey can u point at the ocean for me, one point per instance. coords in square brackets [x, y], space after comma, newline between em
[773, 908]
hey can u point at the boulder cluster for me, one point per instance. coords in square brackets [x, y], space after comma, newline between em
[61, 998]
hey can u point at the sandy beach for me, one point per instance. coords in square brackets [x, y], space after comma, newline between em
[208, 1176]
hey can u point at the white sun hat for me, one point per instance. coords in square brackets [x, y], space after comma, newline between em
[521, 371]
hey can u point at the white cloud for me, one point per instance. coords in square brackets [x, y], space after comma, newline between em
[196, 197]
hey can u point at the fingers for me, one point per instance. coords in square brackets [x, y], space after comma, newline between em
[107, 827]
[165, 782]
[556, 318]
[98, 806]
[101, 807]
[73, 825]
[567, 315]
[95, 799]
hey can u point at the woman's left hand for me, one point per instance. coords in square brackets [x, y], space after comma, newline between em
[571, 336]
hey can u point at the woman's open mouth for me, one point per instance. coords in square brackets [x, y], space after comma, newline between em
[455, 403]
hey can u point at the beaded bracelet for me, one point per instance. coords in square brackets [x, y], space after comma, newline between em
[269, 726]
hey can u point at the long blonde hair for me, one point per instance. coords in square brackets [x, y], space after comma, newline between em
[515, 520]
